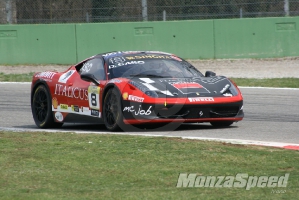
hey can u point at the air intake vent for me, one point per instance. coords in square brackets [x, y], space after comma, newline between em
[226, 111]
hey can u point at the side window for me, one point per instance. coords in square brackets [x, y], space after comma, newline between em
[94, 66]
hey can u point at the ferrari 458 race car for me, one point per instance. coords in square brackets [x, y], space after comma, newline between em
[126, 88]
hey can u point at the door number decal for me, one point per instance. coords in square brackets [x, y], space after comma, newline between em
[94, 97]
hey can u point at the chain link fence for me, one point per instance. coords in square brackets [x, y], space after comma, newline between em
[91, 11]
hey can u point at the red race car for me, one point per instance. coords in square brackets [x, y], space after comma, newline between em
[124, 88]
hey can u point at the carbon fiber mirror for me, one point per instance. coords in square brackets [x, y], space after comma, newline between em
[210, 73]
[89, 78]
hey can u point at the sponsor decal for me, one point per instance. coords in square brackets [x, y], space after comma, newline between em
[59, 116]
[71, 92]
[148, 57]
[130, 52]
[177, 80]
[75, 108]
[94, 112]
[86, 67]
[126, 63]
[212, 80]
[64, 77]
[199, 99]
[94, 97]
[48, 75]
[139, 111]
[55, 102]
[117, 59]
[112, 66]
[125, 96]
[115, 81]
[85, 109]
[189, 87]
[240, 180]
[135, 98]
[64, 106]
[112, 53]
[159, 52]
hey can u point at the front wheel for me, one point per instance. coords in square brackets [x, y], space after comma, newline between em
[41, 107]
[112, 112]
[222, 123]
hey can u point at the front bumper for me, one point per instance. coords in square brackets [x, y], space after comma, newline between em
[136, 113]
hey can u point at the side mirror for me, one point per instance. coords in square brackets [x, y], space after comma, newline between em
[210, 73]
[89, 78]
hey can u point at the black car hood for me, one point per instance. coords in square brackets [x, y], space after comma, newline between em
[185, 87]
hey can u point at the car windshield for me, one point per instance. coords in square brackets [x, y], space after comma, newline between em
[160, 68]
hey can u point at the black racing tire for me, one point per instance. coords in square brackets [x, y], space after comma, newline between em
[41, 107]
[222, 123]
[112, 113]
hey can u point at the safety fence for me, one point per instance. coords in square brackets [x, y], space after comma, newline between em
[94, 11]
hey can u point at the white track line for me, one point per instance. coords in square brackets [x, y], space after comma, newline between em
[292, 146]
[6, 83]
[270, 88]
[241, 87]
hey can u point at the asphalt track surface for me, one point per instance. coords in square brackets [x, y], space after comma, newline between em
[271, 115]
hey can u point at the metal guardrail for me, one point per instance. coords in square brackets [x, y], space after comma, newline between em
[90, 11]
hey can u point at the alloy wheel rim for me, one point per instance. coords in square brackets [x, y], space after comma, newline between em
[41, 106]
[111, 110]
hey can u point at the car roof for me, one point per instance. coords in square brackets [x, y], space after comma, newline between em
[123, 53]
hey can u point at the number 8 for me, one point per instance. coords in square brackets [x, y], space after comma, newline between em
[93, 99]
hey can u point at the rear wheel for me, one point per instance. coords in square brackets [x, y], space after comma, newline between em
[222, 123]
[41, 107]
[112, 113]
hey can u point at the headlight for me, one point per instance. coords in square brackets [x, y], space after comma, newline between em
[229, 90]
[151, 94]
[144, 89]
[233, 90]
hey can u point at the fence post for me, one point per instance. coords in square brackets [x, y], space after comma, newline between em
[8, 11]
[164, 15]
[144, 10]
[87, 17]
[287, 8]
[241, 13]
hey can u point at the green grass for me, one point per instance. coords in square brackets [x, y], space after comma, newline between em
[272, 82]
[268, 82]
[16, 77]
[89, 166]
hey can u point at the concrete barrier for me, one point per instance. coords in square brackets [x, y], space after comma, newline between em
[38, 44]
[198, 39]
